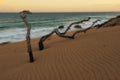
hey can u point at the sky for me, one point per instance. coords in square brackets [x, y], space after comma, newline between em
[60, 5]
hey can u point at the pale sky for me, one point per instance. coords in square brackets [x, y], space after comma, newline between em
[59, 5]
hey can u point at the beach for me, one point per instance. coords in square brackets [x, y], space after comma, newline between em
[13, 29]
[94, 55]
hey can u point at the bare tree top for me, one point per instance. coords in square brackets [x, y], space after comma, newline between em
[24, 13]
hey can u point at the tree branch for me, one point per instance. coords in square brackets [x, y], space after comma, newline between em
[23, 15]
[56, 31]
[75, 23]
[86, 29]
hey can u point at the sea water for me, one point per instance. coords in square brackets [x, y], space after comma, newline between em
[13, 29]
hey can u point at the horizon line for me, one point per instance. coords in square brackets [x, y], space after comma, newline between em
[62, 11]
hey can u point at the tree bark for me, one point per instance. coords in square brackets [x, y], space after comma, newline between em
[86, 29]
[23, 15]
[43, 38]
[56, 31]
[75, 23]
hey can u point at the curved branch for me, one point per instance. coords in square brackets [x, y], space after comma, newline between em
[23, 15]
[75, 23]
[86, 29]
[42, 39]
[56, 31]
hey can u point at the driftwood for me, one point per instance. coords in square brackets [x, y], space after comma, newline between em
[43, 38]
[85, 30]
[56, 31]
[110, 23]
[75, 23]
[23, 15]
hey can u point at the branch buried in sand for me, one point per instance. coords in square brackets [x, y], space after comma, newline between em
[23, 15]
[56, 31]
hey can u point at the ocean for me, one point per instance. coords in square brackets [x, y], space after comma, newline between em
[13, 29]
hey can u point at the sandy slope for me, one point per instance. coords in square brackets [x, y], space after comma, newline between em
[91, 56]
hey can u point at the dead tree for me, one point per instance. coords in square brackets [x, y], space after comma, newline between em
[75, 23]
[23, 15]
[110, 23]
[85, 30]
[43, 38]
[56, 31]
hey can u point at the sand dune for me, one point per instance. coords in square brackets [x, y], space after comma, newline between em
[91, 56]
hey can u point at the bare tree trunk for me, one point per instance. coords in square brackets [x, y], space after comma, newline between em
[86, 29]
[43, 38]
[56, 31]
[23, 15]
[75, 23]
[110, 23]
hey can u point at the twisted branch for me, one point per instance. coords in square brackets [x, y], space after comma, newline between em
[56, 31]
[23, 15]
[75, 23]
[43, 38]
[85, 30]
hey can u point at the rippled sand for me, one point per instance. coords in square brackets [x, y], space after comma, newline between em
[94, 55]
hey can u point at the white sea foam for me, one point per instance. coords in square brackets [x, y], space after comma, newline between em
[15, 35]
[12, 29]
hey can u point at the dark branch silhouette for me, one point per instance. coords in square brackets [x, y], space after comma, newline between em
[23, 15]
[75, 23]
[84, 30]
[110, 23]
[43, 38]
[56, 31]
